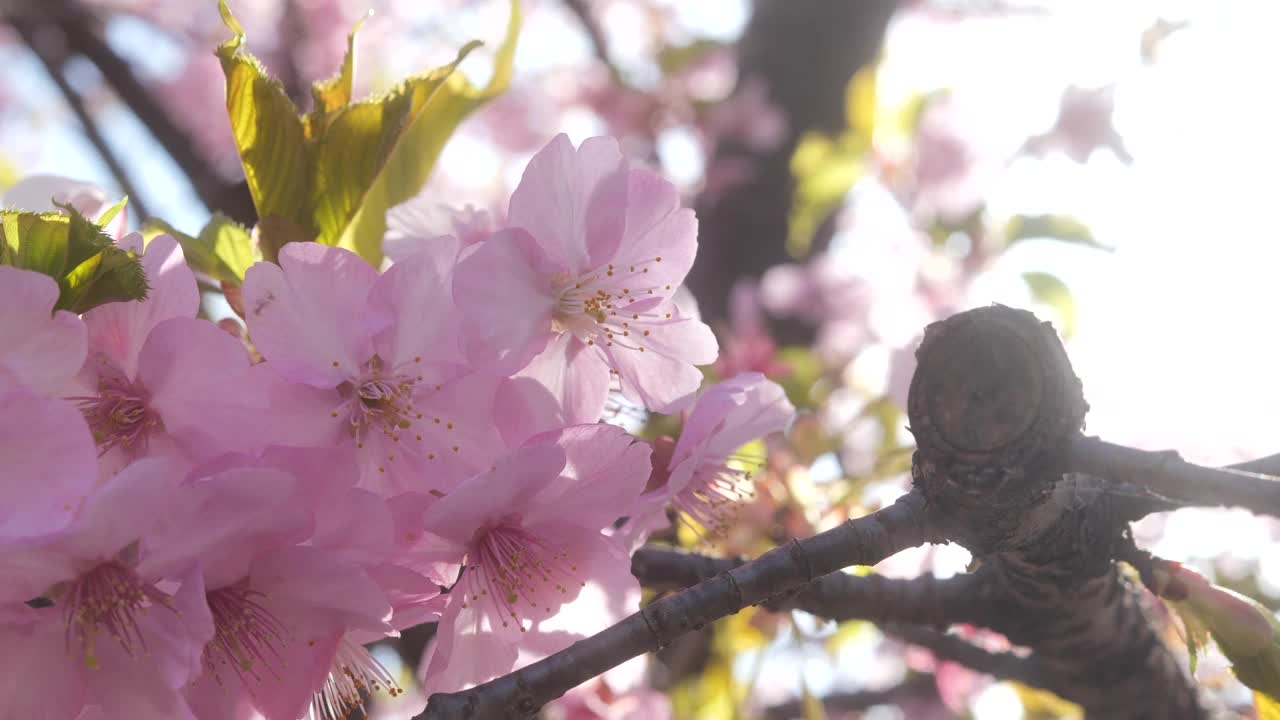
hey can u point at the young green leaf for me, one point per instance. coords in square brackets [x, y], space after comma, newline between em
[430, 122]
[267, 130]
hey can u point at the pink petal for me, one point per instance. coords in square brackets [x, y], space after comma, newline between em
[570, 201]
[663, 377]
[657, 227]
[137, 504]
[605, 470]
[224, 521]
[50, 463]
[471, 644]
[308, 316]
[118, 330]
[357, 526]
[318, 579]
[37, 679]
[199, 384]
[505, 302]
[41, 348]
[565, 384]
[515, 479]
[415, 295]
[764, 409]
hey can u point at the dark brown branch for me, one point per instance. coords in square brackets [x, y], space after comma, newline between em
[835, 596]
[49, 45]
[1003, 665]
[915, 687]
[864, 541]
[1167, 474]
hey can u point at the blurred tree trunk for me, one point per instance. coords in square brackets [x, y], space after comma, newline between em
[805, 51]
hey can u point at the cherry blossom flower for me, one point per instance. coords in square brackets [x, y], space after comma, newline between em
[103, 631]
[706, 482]
[530, 532]
[578, 292]
[157, 380]
[376, 363]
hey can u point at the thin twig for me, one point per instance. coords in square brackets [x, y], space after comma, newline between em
[52, 56]
[1169, 475]
[863, 541]
[835, 596]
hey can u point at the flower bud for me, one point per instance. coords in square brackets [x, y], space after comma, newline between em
[1246, 631]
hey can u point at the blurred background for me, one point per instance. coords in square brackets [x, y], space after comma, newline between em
[860, 169]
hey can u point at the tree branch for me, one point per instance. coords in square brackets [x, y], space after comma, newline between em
[1169, 475]
[835, 596]
[1269, 465]
[1003, 665]
[862, 541]
[50, 48]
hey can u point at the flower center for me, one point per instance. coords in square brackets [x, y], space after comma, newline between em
[108, 598]
[354, 676]
[381, 401]
[715, 496]
[610, 307]
[522, 574]
[118, 415]
[246, 636]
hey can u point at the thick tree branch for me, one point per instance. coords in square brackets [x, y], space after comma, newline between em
[863, 541]
[50, 47]
[1169, 475]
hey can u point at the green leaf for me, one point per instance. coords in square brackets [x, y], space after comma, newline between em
[223, 250]
[112, 275]
[409, 162]
[106, 216]
[268, 132]
[1056, 227]
[335, 93]
[232, 246]
[35, 241]
[98, 272]
[333, 174]
[1051, 291]
[89, 269]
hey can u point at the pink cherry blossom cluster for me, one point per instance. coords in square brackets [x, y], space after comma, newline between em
[192, 526]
